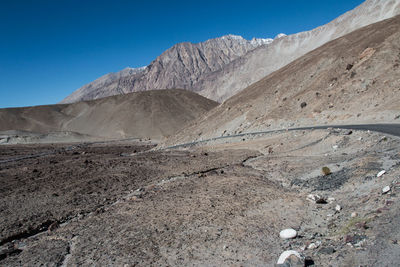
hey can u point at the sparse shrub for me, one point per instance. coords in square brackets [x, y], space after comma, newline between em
[326, 171]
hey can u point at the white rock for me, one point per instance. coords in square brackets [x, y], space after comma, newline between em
[335, 147]
[353, 214]
[381, 173]
[385, 189]
[311, 197]
[287, 254]
[312, 246]
[330, 199]
[288, 233]
[338, 208]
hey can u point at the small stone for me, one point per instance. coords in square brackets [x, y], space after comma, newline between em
[327, 250]
[338, 208]
[288, 233]
[290, 258]
[303, 104]
[335, 147]
[314, 245]
[381, 173]
[349, 66]
[317, 199]
[353, 214]
[331, 199]
[386, 189]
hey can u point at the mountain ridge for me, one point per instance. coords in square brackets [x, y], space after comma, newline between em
[189, 60]
[200, 68]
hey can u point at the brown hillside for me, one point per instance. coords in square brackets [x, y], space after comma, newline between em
[150, 114]
[353, 79]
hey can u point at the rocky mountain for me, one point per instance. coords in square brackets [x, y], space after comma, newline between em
[350, 80]
[258, 63]
[150, 114]
[221, 67]
[181, 66]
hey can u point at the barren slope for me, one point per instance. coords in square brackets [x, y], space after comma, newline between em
[151, 114]
[353, 79]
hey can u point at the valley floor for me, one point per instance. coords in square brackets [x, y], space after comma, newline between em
[223, 203]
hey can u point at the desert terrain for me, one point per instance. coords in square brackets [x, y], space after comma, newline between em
[303, 162]
[223, 203]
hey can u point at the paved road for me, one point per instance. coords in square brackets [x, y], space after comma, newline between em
[393, 129]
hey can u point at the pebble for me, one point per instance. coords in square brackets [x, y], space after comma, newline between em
[288, 233]
[385, 189]
[331, 199]
[314, 245]
[335, 147]
[317, 199]
[290, 255]
[327, 250]
[381, 173]
[353, 214]
[338, 208]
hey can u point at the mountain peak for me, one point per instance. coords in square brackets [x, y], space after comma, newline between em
[280, 35]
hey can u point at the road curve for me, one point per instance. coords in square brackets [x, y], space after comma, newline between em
[387, 128]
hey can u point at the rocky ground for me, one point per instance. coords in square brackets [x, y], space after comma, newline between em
[224, 203]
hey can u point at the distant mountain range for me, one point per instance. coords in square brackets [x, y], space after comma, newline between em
[181, 66]
[221, 67]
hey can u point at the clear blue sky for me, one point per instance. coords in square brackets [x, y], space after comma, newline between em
[48, 49]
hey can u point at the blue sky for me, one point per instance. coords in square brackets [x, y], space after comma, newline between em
[48, 49]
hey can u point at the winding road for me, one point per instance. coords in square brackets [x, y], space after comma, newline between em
[392, 129]
[388, 128]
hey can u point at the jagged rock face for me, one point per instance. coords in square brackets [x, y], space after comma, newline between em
[178, 67]
[222, 67]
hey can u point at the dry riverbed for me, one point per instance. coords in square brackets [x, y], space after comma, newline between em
[221, 204]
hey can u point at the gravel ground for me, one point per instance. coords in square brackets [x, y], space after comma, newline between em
[222, 204]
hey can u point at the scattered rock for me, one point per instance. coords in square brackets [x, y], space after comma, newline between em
[317, 199]
[349, 66]
[327, 250]
[303, 104]
[354, 239]
[335, 147]
[326, 171]
[381, 173]
[288, 233]
[290, 258]
[331, 199]
[353, 214]
[386, 189]
[338, 208]
[314, 245]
